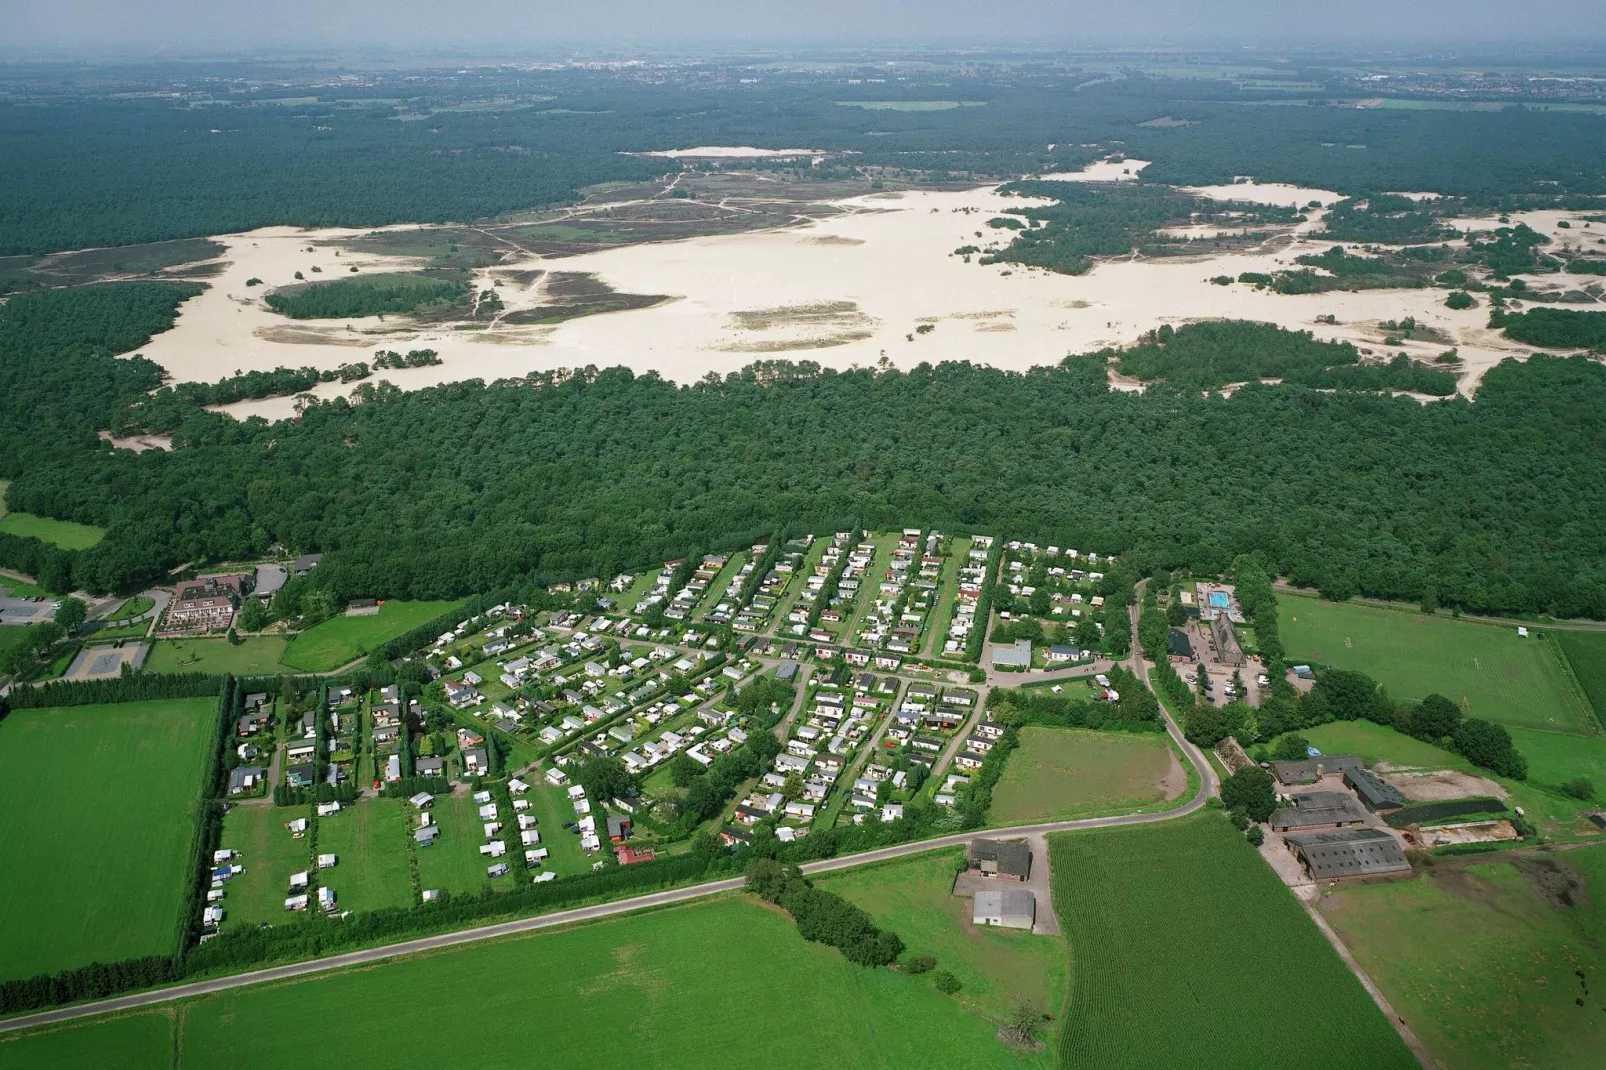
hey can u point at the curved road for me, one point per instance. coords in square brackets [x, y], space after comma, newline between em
[624, 906]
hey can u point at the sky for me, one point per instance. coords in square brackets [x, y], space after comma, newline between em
[42, 28]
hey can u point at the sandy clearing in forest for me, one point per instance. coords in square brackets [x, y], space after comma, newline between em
[883, 268]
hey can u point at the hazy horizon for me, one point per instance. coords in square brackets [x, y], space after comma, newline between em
[499, 28]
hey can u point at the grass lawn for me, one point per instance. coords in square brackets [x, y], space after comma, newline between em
[270, 853]
[1061, 773]
[343, 639]
[454, 862]
[679, 985]
[1499, 676]
[62, 533]
[371, 839]
[142, 1041]
[551, 808]
[258, 654]
[100, 812]
[947, 589]
[718, 586]
[1482, 965]
[913, 898]
[1164, 922]
[137, 606]
[1555, 758]
[15, 588]
[1586, 653]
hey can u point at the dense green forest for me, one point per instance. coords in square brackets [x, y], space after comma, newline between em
[84, 167]
[1208, 356]
[1499, 505]
[1558, 328]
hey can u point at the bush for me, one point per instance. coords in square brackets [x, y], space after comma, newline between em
[947, 982]
[1252, 791]
[1256, 835]
[919, 964]
[1579, 788]
[1459, 300]
[1240, 820]
[1291, 748]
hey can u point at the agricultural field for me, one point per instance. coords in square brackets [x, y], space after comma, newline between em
[454, 863]
[1499, 676]
[370, 838]
[256, 655]
[100, 805]
[1486, 959]
[62, 533]
[536, 988]
[143, 1041]
[269, 854]
[1555, 758]
[1061, 773]
[341, 640]
[1586, 654]
[1164, 922]
[913, 898]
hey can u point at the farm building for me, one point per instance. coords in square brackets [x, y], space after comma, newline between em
[1009, 859]
[1348, 853]
[1374, 793]
[1010, 908]
[1313, 769]
[1318, 809]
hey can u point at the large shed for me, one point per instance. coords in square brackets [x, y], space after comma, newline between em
[1010, 859]
[1311, 770]
[1373, 792]
[1318, 809]
[1010, 908]
[1348, 853]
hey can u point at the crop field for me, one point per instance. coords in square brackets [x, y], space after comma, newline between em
[454, 863]
[913, 898]
[678, 986]
[1586, 653]
[340, 640]
[141, 1041]
[100, 806]
[1181, 938]
[1061, 773]
[1499, 676]
[370, 838]
[257, 655]
[62, 533]
[1485, 964]
[269, 853]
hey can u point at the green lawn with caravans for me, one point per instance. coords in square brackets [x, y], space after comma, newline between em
[100, 806]
[719, 985]
[1488, 669]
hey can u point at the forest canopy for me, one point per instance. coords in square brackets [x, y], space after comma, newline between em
[461, 488]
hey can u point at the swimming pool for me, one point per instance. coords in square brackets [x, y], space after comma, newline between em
[1219, 599]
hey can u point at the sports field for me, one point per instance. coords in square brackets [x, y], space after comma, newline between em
[340, 640]
[674, 988]
[914, 899]
[269, 853]
[100, 807]
[62, 533]
[1481, 960]
[454, 863]
[257, 655]
[1182, 940]
[370, 839]
[1061, 773]
[1499, 676]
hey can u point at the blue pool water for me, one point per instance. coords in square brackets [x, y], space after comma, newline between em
[1218, 599]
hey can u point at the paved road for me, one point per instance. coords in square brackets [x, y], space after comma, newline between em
[562, 917]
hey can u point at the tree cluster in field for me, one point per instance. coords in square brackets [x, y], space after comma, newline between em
[1137, 708]
[1385, 219]
[1556, 328]
[1211, 355]
[823, 916]
[414, 358]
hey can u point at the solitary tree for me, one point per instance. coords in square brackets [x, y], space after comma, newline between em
[71, 614]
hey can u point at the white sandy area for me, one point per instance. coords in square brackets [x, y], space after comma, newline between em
[844, 291]
[1100, 171]
[1278, 193]
[729, 152]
